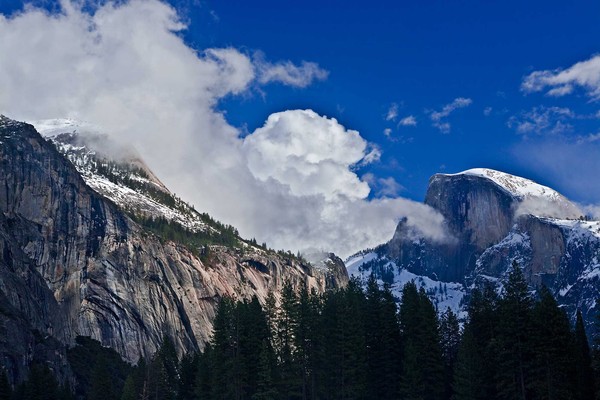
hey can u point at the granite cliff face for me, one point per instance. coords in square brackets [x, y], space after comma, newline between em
[494, 218]
[73, 262]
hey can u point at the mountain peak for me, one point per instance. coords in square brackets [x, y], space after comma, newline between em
[517, 186]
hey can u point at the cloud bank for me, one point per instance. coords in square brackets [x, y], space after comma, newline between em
[560, 82]
[125, 68]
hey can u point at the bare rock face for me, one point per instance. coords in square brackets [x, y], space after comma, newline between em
[73, 263]
[477, 213]
[29, 314]
[536, 243]
[495, 218]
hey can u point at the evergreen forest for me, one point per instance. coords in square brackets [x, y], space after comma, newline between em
[355, 343]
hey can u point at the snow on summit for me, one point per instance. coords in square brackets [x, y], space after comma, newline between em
[534, 199]
[515, 185]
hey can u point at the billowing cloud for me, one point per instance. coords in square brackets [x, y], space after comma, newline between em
[543, 121]
[125, 69]
[560, 82]
[288, 73]
[408, 121]
[309, 153]
[438, 117]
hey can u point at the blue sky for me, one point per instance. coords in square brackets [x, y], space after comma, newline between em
[431, 86]
[420, 56]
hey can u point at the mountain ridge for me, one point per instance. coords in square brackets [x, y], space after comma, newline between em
[493, 221]
[101, 274]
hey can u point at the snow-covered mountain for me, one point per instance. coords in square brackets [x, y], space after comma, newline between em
[492, 219]
[119, 173]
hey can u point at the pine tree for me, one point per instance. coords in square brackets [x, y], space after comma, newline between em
[514, 345]
[382, 341]
[307, 337]
[225, 353]
[204, 378]
[468, 378]
[287, 324]
[423, 373]
[484, 323]
[342, 373]
[5, 388]
[187, 376]
[254, 330]
[352, 375]
[163, 373]
[450, 340]
[65, 392]
[129, 390]
[102, 383]
[596, 355]
[41, 384]
[583, 359]
[266, 389]
[552, 365]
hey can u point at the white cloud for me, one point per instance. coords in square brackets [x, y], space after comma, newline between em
[545, 207]
[438, 117]
[126, 69]
[389, 187]
[408, 121]
[384, 187]
[591, 138]
[392, 113]
[459, 102]
[543, 121]
[288, 73]
[387, 132]
[444, 127]
[309, 153]
[585, 74]
[592, 210]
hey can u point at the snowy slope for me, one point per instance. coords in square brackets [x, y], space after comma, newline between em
[118, 173]
[515, 185]
[442, 294]
[534, 225]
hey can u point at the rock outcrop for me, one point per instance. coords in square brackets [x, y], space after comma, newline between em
[494, 218]
[73, 263]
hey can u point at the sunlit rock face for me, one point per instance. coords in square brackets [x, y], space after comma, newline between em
[73, 262]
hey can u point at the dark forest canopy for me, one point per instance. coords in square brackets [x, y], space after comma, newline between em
[355, 343]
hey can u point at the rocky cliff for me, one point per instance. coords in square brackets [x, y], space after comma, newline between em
[74, 262]
[494, 218]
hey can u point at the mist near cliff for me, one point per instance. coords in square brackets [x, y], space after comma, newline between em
[125, 69]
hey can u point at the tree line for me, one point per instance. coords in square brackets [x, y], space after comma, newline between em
[357, 343]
